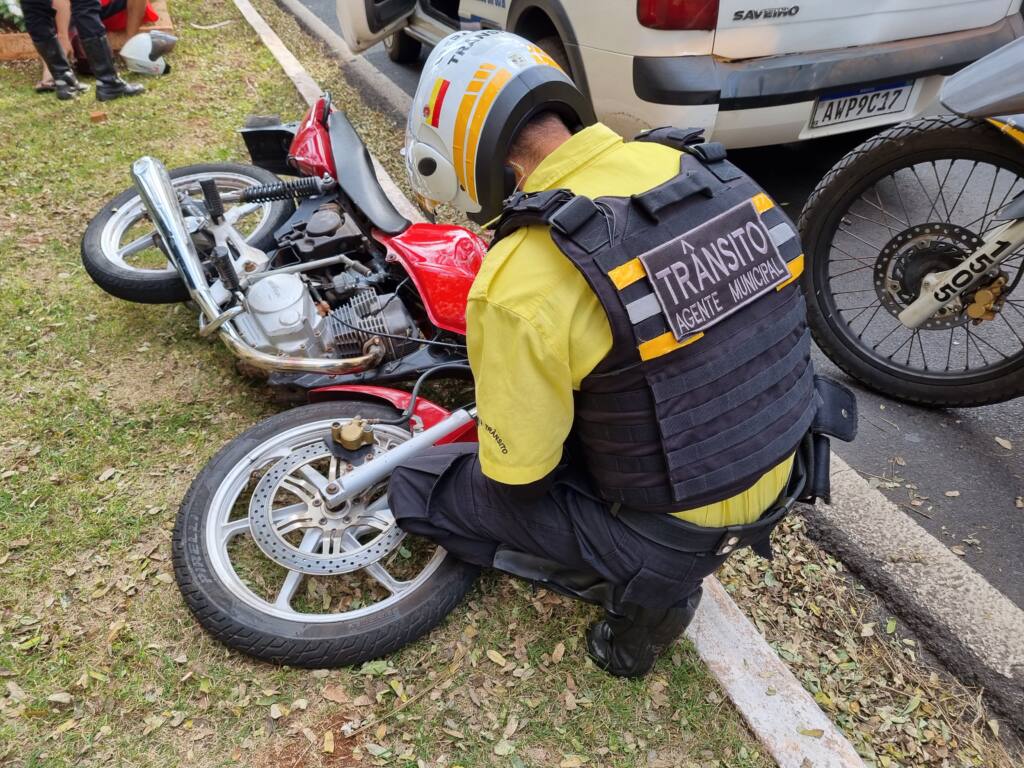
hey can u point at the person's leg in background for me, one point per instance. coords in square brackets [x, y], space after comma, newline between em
[62, 9]
[134, 15]
[85, 15]
[40, 21]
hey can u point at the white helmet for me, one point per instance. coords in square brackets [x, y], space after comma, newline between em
[144, 52]
[477, 90]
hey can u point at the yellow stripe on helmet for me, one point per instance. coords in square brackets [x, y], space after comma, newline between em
[501, 77]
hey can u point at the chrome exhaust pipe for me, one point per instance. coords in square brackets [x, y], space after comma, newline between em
[267, 362]
[161, 201]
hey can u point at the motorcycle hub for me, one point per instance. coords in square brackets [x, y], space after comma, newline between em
[333, 541]
[911, 256]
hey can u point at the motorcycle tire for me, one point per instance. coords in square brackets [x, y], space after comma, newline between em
[234, 620]
[925, 140]
[163, 285]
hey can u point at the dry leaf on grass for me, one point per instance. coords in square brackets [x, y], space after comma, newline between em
[496, 657]
[335, 693]
[558, 653]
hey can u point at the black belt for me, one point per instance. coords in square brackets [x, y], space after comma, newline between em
[683, 536]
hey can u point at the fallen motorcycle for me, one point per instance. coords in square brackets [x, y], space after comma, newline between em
[311, 280]
[915, 247]
[284, 546]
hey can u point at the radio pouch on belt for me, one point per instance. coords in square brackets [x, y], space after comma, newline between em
[836, 417]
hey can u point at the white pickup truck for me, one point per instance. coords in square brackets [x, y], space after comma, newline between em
[751, 73]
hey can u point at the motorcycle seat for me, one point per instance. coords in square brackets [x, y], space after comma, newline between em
[357, 179]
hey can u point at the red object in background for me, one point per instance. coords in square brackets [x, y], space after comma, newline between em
[310, 152]
[442, 261]
[429, 413]
[677, 14]
[115, 15]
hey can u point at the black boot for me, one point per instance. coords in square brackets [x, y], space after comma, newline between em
[64, 81]
[101, 61]
[630, 638]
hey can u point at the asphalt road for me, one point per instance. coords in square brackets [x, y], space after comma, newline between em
[910, 452]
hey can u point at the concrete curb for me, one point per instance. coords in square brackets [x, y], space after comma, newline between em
[976, 631]
[311, 91]
[779, 711]
[375, 86]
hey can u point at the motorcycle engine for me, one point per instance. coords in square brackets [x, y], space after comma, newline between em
[368, 314]
[282, 319]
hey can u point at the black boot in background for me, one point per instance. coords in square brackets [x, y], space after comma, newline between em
[101, 61]
[64, 81]
[630, 638]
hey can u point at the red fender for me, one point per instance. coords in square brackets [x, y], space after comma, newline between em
[428, 413]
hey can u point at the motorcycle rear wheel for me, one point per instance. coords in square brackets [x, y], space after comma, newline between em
[236, 590]
[121, 257]
[903, 203]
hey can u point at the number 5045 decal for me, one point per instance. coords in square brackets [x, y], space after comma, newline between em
[972, 269]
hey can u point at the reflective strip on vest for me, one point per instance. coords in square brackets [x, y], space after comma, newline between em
[796, 268]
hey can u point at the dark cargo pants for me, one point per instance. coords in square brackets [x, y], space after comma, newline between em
[443, 496]
[41, 25]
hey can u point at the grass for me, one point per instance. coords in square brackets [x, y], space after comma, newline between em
[108, 410]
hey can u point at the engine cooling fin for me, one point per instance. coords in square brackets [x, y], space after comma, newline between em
[368, 315]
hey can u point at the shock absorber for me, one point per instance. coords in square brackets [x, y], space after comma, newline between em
[221, 260]
[305, 187]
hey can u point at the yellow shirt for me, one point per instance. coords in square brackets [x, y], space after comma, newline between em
[535, 329]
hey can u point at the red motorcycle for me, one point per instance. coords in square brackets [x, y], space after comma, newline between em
[310, 280]
[284, 546]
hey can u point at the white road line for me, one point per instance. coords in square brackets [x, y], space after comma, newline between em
[765, 692]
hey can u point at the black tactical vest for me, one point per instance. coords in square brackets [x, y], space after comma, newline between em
[708, 383]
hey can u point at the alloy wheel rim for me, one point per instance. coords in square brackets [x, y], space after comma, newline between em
[134, 212]
[296, 448]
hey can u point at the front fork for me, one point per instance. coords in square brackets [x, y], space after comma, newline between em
[370, 473]
[939, 289]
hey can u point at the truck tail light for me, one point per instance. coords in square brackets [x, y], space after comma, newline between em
[677, 14]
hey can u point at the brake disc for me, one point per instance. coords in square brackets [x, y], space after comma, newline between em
[914, 253]
[338, 528]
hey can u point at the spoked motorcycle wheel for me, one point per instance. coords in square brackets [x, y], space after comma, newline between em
[270, 571]
[119, 251]
[915, 199]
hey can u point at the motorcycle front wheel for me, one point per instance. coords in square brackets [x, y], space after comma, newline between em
[270, 571]
[915, 199]
[119, 247]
